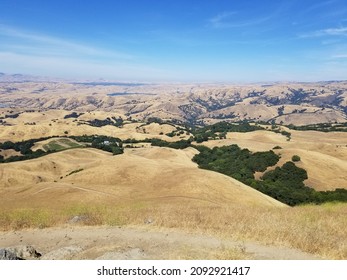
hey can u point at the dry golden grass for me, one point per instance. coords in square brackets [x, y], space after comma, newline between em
[146, 174]
[319, 230]
[9, 153]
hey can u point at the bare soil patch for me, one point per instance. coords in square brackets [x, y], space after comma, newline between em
[140, 243]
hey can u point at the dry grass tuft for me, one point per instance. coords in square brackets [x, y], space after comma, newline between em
[26, 218]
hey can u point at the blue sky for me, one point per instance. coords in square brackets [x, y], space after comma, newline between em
[176, 41]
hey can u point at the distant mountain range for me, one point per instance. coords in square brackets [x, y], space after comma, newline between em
[20, 78]
[287, 103]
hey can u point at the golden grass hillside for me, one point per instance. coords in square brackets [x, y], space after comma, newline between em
[37, 124]
[163, 187]
[141, 175]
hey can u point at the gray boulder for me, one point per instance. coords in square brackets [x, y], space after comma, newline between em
[19, 253]
[6, 254]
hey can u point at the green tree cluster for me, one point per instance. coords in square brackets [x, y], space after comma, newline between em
[285, 183]
[181, 144]
[106, 143]
[220, 129]
[234, 161]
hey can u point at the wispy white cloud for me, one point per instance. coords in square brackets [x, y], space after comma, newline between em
[330, 10]
[220, 20]
[227, 20]
[333, 31]
[35, 53]
[32, 40]
[340, 31]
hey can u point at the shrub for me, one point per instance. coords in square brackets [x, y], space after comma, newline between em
[73, 115]
[296, 158]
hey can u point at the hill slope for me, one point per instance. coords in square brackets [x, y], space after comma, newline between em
[155, 175]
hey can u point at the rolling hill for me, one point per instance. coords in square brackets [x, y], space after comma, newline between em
[155, 175]
[282, 103]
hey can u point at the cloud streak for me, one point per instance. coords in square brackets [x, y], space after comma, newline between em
[32, 40]
[340, 31]
[34, 53]
[227, 20]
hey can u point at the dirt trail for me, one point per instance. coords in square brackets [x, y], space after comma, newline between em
[136, 243]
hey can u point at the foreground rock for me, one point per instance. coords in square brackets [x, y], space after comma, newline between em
[19, 253]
